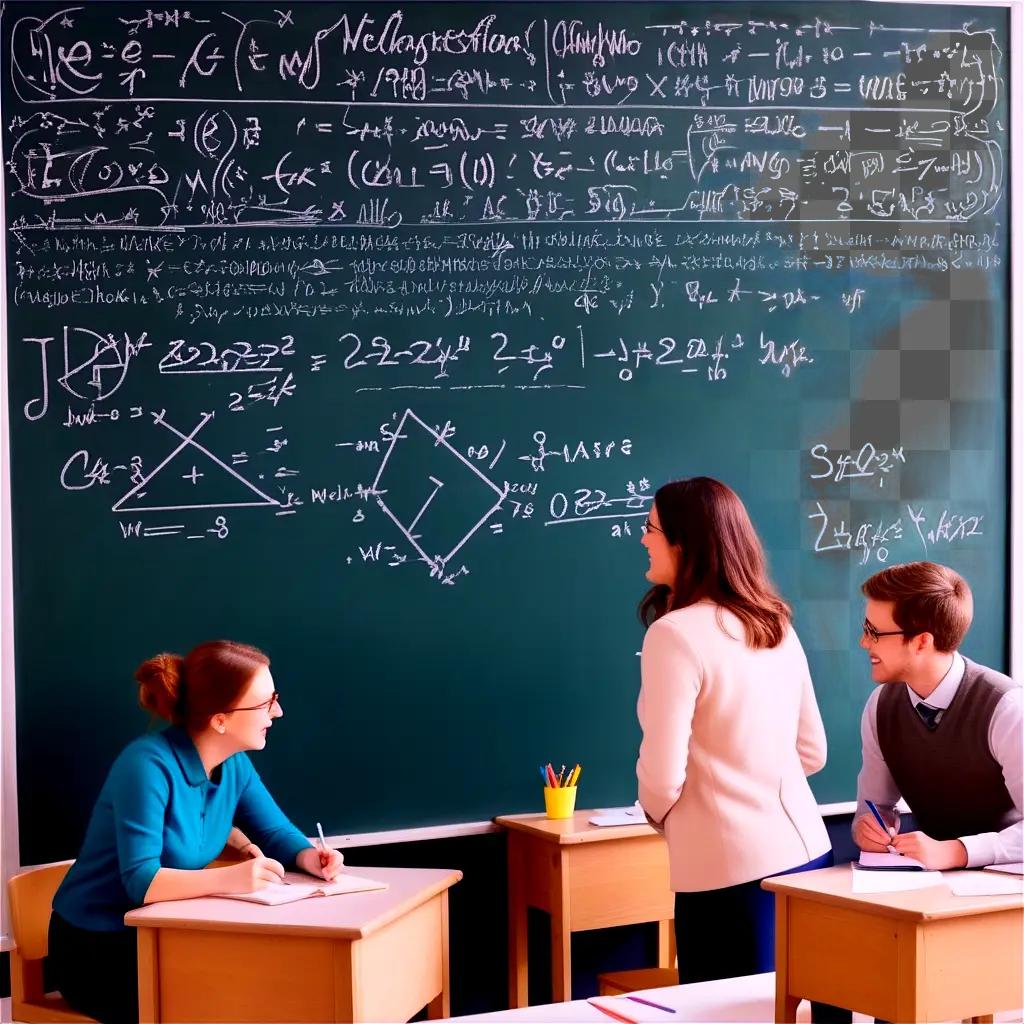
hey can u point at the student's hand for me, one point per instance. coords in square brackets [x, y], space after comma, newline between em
[252, 875]
[936, 854]
[250, 850]
[868, 835]
[326, 864]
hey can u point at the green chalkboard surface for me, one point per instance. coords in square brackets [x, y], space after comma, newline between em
[325, 321]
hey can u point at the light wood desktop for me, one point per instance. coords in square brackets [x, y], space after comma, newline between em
[373, 956]
[924, 955]
[585, 876]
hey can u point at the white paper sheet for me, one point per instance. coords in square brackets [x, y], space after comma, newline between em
[978, 883]
[1006, 869]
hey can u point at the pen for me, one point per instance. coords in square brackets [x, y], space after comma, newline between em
[324, 855]
[544, 775]
[560, 774]
[575, 775]
[648, 1002]
[881, 821]
[552, 781]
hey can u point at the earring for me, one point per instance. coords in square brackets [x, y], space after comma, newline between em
[221, 730]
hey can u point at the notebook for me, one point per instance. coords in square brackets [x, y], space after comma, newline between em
[888, 862]
[301, 887]
[862, 881]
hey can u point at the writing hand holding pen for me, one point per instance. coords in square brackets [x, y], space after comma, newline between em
[321, 860]
[871, 833]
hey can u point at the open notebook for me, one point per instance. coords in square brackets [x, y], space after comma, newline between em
[888, 862]
[297, 886]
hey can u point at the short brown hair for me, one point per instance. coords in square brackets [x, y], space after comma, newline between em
[210, 678]
[926, 598]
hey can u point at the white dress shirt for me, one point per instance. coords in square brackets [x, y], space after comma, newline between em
[1005, 741]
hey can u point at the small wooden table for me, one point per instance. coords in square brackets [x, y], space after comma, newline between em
[585, 876]
[373, 956]
[905, 956]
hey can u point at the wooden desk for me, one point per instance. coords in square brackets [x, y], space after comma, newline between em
[908, 956]
[585, 877]
[374, 956]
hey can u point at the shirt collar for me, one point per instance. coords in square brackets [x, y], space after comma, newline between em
[188, 757]
[942, 696]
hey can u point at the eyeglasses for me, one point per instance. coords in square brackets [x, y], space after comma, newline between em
[874, 635]
[267, 705]
[649, 527]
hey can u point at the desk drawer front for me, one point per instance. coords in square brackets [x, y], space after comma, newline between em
[619, 882]
[221, 976]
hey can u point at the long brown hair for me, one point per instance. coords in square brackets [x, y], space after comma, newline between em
[721, 560]
[210, 678]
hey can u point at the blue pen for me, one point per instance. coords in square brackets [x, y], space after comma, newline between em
[544, 775]
[881, 821]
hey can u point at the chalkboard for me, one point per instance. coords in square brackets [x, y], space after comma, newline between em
[325, 321]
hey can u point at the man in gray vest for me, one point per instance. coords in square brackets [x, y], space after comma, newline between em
[940, 731]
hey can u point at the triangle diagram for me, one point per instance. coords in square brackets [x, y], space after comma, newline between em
[192, 477]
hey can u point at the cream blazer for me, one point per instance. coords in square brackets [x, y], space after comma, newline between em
[729, 736]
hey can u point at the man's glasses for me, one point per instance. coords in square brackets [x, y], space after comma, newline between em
[267, 705]
[874, 635]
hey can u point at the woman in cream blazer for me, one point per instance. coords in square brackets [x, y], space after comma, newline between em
[731, 729]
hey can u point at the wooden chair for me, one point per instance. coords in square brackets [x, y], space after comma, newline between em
[31, 896]
[614, 983]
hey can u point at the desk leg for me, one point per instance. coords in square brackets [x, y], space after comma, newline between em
[441, 1006]
[149, 976]
[561, 933]
[910, 974]
[785, 1004]
[518, 958]
[667, 943]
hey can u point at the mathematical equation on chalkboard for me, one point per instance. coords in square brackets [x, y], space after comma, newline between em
[387, 116]
[224, 223]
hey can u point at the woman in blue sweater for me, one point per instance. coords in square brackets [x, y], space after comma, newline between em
[166, 810]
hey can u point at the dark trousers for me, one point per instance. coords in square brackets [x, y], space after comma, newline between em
[728, 933]
[96, 972]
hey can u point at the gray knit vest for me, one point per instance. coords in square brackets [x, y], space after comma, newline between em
[948, 776]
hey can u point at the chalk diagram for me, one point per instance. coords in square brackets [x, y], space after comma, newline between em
[431, 491]
[191, 469]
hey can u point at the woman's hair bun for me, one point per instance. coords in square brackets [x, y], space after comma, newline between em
[161, 685]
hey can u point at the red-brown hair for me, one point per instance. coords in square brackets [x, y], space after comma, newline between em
[926, 598]
[210, 678]
[720, 559]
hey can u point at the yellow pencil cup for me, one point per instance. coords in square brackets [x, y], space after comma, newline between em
[560, 802]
